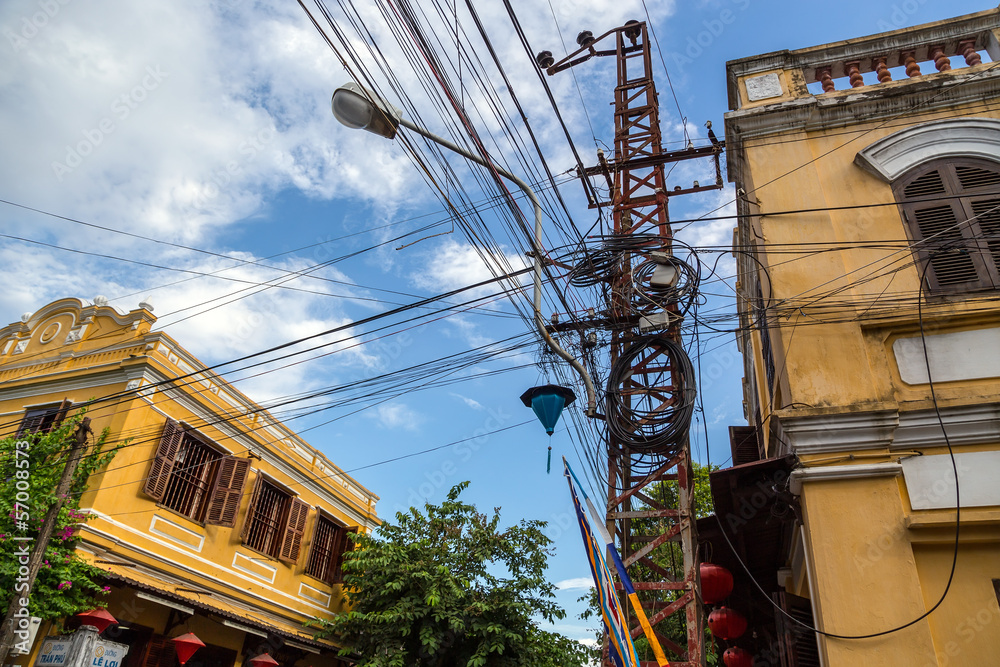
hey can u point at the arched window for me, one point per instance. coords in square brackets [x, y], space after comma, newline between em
[952, 213]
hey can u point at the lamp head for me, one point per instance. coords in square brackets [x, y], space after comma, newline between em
[358, 108]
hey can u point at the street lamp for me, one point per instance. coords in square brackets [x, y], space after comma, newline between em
[359, 108]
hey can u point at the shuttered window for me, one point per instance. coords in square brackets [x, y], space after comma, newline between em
[275, 522]
[326, 555]
[952, 211]
[193, 478]
[43, 419]
[796, 644]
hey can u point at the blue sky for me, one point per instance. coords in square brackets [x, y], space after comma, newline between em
[207, 125]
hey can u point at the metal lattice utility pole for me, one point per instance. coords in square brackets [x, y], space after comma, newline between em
[650, 392]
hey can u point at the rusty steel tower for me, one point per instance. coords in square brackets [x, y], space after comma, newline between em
[650, 391]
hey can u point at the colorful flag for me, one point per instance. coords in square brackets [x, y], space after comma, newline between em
[609, 544]
[621, 649]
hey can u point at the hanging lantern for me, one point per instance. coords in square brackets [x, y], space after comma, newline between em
[186, 645]
[99, 618]
[263, 660]
[548, 402]
[726, 623]
[737, 657]
[716, 583]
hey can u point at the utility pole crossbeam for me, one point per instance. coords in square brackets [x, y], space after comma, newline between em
[650, 398]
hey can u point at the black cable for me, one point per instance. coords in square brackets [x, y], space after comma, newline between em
[958, 512]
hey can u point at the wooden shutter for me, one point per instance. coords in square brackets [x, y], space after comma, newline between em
[344, 544]
[294, 529]
[31, 423]
[796, 645]
[163, 461]
[159, 652]
[227, 491]
[948, 209]
[61, 413]
[251, 509]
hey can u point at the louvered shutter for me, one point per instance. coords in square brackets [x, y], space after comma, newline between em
[251, 509]
[294, 529]
[159, 652]
[987, 212]
[30, 424]
[60, 413]
[228, 491]
[949, 210]
[343, 546]
[163, 461]
[796, 645]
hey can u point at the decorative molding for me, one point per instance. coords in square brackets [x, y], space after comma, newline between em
[966, 425]
[828, 473]
[894, 155]
[21, 346]
[314, 595]
[264, 572]
[841, 432]
[890, 429]
[177, 533]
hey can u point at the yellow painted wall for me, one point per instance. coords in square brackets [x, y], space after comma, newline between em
[129, 525]
[874, 563]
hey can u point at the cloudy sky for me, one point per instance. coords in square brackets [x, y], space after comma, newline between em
[159, 142]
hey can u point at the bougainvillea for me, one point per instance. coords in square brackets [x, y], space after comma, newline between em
[66, 584]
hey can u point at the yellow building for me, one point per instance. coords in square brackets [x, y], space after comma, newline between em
[215, 518]
[868, 247]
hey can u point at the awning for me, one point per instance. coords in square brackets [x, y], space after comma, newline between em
[207, 602]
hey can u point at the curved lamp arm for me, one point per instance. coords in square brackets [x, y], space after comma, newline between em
[359, 108]
[536, 251]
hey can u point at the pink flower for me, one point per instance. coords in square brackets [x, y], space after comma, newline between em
[106, 589]
[65, 584]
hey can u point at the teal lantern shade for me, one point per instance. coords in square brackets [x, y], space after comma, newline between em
[548, 402]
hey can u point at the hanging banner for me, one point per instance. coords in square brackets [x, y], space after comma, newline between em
[609, 544]
[620, 647]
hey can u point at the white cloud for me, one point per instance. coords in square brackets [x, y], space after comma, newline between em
[397, 416]
[577, 583]
[471, 402]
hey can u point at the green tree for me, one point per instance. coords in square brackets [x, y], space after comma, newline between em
[66, 584]
[669, 557]
[447, 586]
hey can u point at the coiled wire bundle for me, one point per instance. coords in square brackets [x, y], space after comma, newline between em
[682, 292]
[651, 396]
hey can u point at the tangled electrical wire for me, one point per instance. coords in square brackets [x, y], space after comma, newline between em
[681, 290]
[602, 264]
[651, 396]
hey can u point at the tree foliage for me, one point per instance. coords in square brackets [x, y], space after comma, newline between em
[66, 584]
[447, 586]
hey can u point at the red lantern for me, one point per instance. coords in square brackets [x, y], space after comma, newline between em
[737, 657]
[263, 660]
[726, 623]
[716, 583]
[99, 618]
[186, 645]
